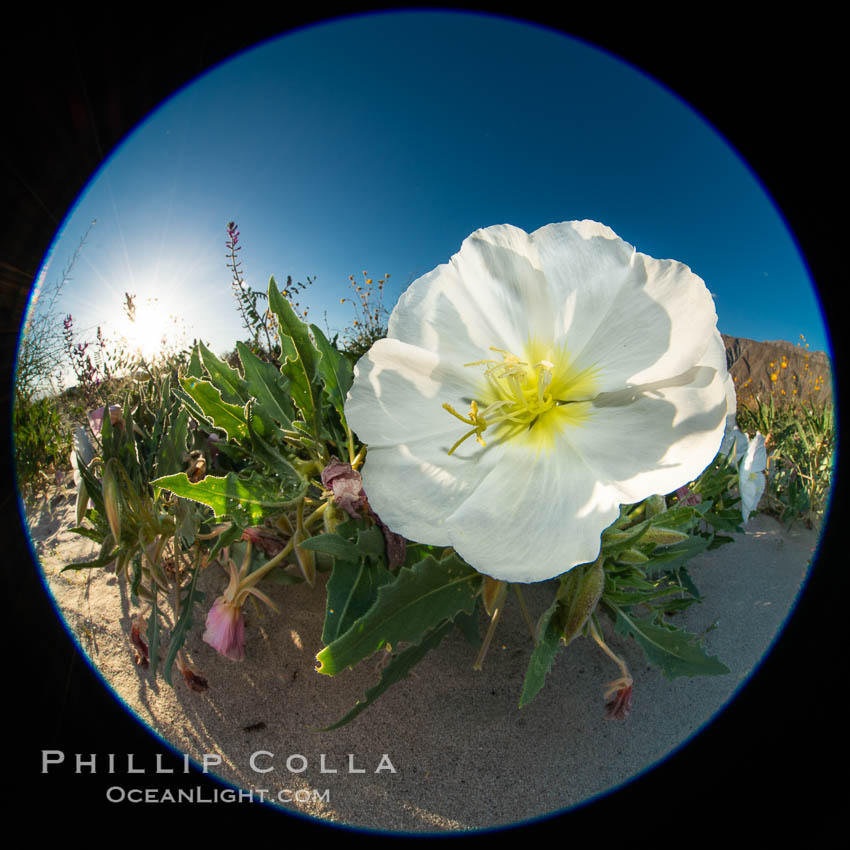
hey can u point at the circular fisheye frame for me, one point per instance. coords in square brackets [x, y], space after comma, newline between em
[267, 304]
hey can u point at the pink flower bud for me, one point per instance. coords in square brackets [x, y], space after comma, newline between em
[225, 630]
[96, 417]
[619, 707]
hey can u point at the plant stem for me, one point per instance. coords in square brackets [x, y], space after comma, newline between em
[526, 616]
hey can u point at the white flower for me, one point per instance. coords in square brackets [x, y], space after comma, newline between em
[734, 442]
[751, 475]
[593, 375]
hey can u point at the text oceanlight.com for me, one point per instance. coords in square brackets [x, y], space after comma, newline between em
[117, 794]
[261, 762]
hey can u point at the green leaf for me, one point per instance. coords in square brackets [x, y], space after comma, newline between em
[100, 561]
[398, 668]
[336, 371]
[352, 589]
[233, 388]
[332, 544]
[194, 370]
[254, 496]
[291, 482]
[468, 626]
[230, 418]
[153, 632]
[418, 599]
[302, 366]
[673, 557]
[91, 533]
[183, 624]
[372, 543]
[679, 517]
[543, 656]
[614, 542]
[169, 457]
[267, 385]
[674, 651]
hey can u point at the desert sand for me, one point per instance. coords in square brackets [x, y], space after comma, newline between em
[447, 749]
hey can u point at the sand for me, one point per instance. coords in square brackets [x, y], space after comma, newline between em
[447, 749]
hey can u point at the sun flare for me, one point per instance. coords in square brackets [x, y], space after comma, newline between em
[149, 328]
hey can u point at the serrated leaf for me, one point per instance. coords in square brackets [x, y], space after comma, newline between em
[674, 556]
[335, 370]
[267, 385]
[677, 517]
[195, 370]
[332, 544]
[543, 656]
[352, 589]
[253, 495]
[673, 651]
[227, 417]
[100, 561]
[192, 406]
[371, 542]
[169, 457]
[395, 671]
[417, 600]
[300, 367]
[91, 533]
[226, 379]
[467, 624]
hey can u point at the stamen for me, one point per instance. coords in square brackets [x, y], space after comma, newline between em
[522, 392]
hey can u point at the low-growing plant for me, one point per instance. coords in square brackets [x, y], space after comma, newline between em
[41, 444]
[271, 491]
[800, 440]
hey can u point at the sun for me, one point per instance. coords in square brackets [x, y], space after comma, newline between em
[149, 328]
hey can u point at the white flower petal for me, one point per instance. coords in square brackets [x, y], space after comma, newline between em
[395, 407]
[632, 318]
[654, 438]
[528, 521]
[492, 293]
[751, 480]
[755, 460]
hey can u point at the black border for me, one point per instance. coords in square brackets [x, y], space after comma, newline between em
[76, 83]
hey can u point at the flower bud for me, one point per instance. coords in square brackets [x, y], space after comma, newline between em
[306, 557]
[493, 594]
[331, 518]
[663, 536]
[225, 631]
[82, 501]
[655, 505]
[632, 556]
[110, 499]
[581, 594]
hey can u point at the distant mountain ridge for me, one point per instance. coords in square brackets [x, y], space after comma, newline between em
[758, 371]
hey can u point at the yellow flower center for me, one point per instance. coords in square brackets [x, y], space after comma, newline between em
[533, 396]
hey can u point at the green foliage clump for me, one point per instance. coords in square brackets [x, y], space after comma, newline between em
[800, 442]
[40, 443]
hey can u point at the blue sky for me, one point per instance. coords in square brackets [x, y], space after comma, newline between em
[380, 142]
